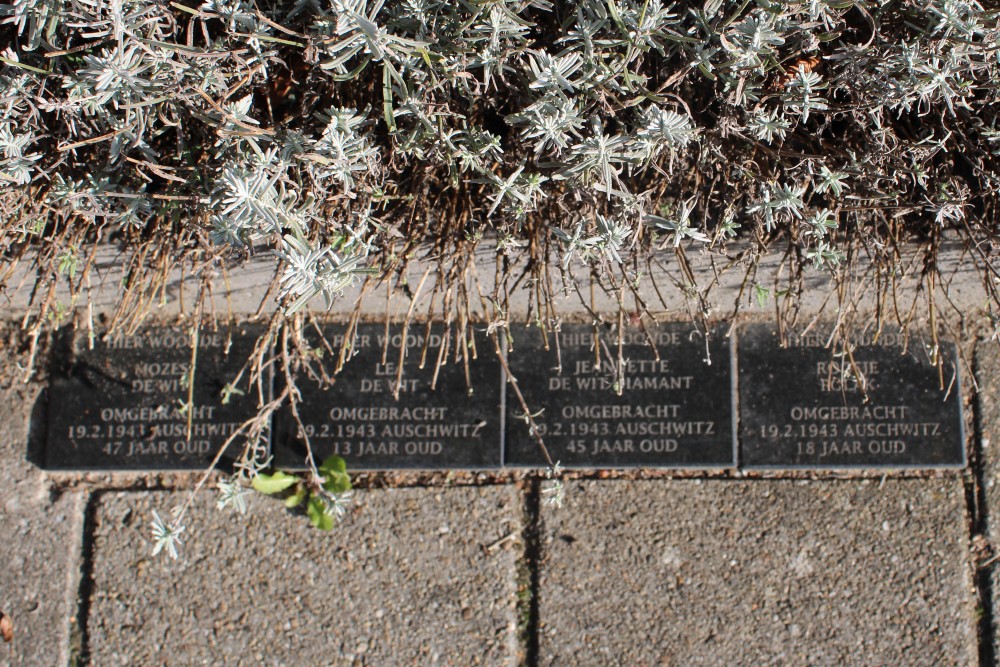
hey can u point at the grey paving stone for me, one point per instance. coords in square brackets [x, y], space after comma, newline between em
[42, 534]
[407, 578]
[757, 573]
[988, 397]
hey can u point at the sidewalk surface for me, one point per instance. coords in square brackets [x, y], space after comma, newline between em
[405, 578]
[672, 571]
[41, 547]
[763, 572]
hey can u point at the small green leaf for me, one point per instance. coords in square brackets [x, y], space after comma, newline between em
[761, 293]
[337, 483]
[334, 471]
[296, 498]
[317, 514]
[332, 464]
[229, 391]
[271, 484]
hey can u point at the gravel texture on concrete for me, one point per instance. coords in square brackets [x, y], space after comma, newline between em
[408, 577]
[988, 397]
[42, 536]
[757, 573]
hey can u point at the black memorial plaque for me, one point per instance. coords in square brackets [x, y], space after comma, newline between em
[123, 404]
[803, 406]
[673, 411]
[445, 417]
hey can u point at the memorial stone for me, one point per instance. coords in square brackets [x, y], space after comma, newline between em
[669, 404]
[441, 417]
[885, 406]
[123, 405]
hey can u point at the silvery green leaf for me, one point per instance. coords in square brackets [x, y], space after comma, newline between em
[832, 181]
[770, 126]
[166, 536]
[668, 128]
[680, 225]
[554, 72]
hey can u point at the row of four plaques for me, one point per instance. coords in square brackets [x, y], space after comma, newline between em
[590, 397]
